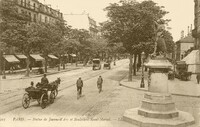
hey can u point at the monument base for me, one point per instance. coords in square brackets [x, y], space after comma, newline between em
[183, 120]
[158, 110]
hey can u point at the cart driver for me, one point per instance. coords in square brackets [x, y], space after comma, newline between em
[44, 80]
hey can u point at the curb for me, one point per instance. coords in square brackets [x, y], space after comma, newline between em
[40, 75]
[140, 89]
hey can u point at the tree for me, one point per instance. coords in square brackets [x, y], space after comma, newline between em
[47, 36]
[168, 41]
[98, 47]
[17, 30]
[13, 29]
[132, 23]
[81, 43]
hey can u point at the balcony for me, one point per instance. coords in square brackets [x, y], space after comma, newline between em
[41, 9]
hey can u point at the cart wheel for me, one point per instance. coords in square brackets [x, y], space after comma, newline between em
[43, 101]
[26, 101]
[52, 96]
[38, 100]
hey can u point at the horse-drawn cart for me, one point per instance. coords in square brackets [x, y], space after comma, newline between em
[182, 71]
[107, 65]
[41, 94]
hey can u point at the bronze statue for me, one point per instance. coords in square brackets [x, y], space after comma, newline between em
[159, 44]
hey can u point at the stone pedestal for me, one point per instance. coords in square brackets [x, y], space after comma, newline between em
[157, 107]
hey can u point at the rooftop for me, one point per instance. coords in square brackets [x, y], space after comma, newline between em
[187, 39]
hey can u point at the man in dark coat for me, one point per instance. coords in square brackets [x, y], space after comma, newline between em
[198, 77]
[44, 80]
[79, 85]
[99, 83]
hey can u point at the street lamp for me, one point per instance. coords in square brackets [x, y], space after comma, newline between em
[142, 80]
[4, 68]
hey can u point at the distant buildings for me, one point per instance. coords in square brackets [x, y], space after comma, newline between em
[82, 21]
[183, 45]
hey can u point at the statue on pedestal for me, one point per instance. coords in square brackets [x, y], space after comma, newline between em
[157, 108]
[159, 44]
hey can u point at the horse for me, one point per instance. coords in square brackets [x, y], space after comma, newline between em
[54, 86]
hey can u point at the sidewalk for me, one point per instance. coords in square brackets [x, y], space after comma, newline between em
[20, 74]
[176, 86]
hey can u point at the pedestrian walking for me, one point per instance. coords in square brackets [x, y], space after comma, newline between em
[79, 85]
[198, 77]
[99, 83]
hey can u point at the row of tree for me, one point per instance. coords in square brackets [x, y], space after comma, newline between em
[17, 30]
[133, 24]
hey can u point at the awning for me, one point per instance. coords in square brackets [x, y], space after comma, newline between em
[52, 56]
[192, 58]
[193, 61]
[37, 57]
[21, 56]
[11, 58]
[73, 55]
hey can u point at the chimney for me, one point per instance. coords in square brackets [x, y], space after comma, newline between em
[182, 34]
[191, 29]
[188, 30]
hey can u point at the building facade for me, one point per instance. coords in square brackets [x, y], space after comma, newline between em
[183, 45]
[38, 12]
[196, 30]
[82, 21]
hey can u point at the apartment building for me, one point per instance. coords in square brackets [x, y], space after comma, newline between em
[38, 11]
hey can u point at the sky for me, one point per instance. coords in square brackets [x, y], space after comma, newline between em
[181, 12]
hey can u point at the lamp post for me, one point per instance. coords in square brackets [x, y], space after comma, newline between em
[1, 62]
[142, 80]
[4, 68]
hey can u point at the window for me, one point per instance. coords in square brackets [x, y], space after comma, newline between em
[25, 3]
[40, 18]
[46, 19]
[22, 2]
[34, 6]
[30, 16]
[29, 4]
[34, 17]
